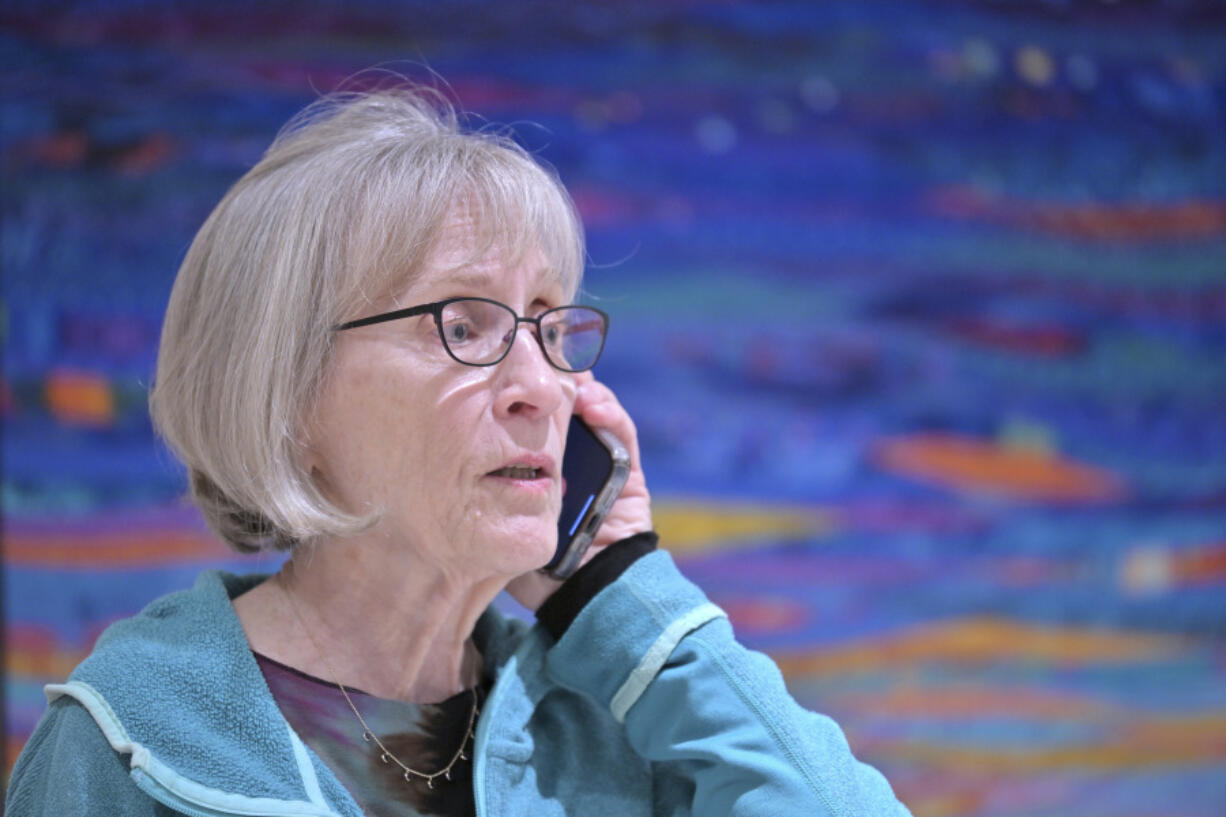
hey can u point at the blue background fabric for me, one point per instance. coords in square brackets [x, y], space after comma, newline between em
[919, 305]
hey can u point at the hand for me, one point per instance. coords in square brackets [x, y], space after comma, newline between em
[630, 513]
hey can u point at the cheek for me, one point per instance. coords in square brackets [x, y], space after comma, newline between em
[366, 440]
[422, 443]
[561, 417]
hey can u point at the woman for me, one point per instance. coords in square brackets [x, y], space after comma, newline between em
[337, 378]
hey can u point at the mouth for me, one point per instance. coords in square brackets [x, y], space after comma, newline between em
[518, 472]
[529, 467]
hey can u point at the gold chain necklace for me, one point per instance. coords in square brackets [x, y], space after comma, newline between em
[367, 734]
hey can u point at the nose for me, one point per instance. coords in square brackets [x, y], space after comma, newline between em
[527, 385]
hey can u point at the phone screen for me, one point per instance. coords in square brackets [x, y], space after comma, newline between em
[586, 466]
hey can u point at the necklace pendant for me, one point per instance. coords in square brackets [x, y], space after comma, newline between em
[447, 774]
[462, 755]
[430, 782]
[407, 778]
[366, 735]
[383, 757]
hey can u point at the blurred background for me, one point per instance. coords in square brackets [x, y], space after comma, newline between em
[919, 305]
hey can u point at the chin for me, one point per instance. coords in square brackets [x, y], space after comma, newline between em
[523, 546]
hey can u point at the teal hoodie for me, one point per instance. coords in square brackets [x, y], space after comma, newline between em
[646, 705]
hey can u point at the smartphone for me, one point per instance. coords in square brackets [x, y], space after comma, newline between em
[595, 467]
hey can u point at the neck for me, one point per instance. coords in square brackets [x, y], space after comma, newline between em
[394, 627]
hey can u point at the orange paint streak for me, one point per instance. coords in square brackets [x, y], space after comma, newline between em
[945, 804]
[80, 398]
[1206, 732]
[63, 149]
[973, 466]
[1048, 340]
[1163, 747]
[112, 550]
[52, 666]
[36, 653]
[1201, 565]
[1129, 222]
[983, 640]
[155, 151]
[965, 701]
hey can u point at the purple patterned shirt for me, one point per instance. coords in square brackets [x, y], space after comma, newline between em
[424, 737]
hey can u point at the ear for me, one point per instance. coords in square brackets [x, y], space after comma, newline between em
[308, 459]
[313, 467]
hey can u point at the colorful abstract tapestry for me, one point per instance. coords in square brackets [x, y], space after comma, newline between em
[919, 305]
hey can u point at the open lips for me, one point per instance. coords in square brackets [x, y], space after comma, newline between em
[532, 466]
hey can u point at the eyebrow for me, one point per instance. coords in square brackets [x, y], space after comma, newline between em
[475, 280]
[481, 280]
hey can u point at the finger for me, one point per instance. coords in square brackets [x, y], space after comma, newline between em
[595, 393]
[600, 408]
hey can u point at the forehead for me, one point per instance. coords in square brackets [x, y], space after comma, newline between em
[475, 253]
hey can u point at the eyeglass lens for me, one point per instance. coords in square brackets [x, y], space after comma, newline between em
[479, 332]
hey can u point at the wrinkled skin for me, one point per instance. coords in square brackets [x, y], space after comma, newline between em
[403, 428]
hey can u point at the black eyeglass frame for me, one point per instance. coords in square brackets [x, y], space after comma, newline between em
[436, 308]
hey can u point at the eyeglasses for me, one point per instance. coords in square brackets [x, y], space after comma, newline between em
[480, 332]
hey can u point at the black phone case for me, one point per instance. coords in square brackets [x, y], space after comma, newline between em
[577, 528]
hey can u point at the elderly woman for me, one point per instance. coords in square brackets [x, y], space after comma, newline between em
[368, 361]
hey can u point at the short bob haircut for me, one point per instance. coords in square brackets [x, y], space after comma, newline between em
[340, 213]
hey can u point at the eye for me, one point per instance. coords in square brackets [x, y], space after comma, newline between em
[457, 331]
[553, 329]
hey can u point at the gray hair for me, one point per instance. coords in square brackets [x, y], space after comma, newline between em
[341, 211]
